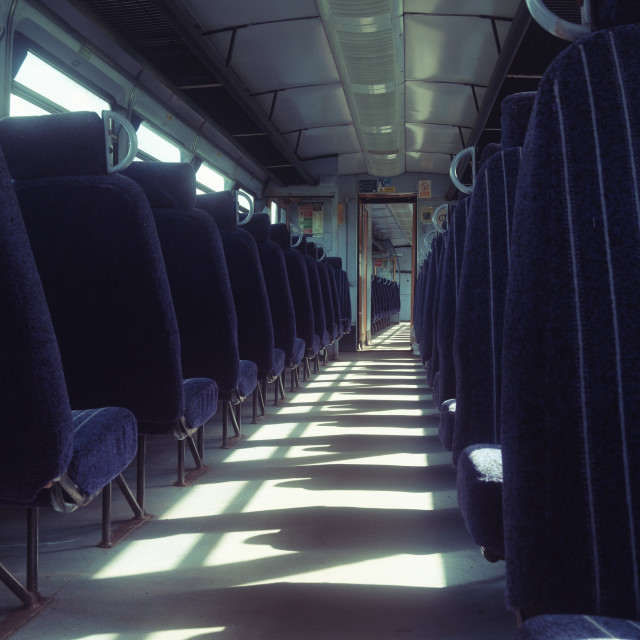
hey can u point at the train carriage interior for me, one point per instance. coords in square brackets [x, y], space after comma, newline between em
[318, 319]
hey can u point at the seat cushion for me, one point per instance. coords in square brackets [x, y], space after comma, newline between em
[447, 423]
[299, 348]
[278, 362]
[105, 442]
[201, 401]
[577, 627]
[480, 496]
[316, 346]
[247, 378]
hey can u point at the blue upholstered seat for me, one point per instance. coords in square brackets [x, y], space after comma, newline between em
[478, 337]
[334, 328]
[255, 325]
[570, 402]
[96, 247]
[425, 337]
[300, 292]
[283, 311]
[451, 270]
[50, 455]
[194, 258]
[342, 287]
[431, 325]
[317, 302]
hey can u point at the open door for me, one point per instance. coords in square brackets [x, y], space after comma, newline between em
[364, 248]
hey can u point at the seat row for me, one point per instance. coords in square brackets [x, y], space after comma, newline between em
[141, 307]
[526, 318]
[385, 302]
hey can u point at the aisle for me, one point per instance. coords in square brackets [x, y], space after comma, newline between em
[334, 519]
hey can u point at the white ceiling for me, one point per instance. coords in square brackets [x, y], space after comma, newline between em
[308, 65]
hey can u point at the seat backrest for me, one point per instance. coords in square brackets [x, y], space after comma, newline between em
[570, 401]
[35, 415]
[99, 258]
[276, 279]
[298, 283]
[255, 325]
[425, 339]
[477, 348]
[319, 318]
[194, 258]
[451, 269]
[333, 326]
[342, 291]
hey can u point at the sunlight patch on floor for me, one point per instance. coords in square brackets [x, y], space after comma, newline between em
[182, 634]
[149, 556]
[200, 501]
[404, 460]
[406, 413]
[340, 396]
[233, 547]
[280, 431]
[402, 570]
[333, 428]
[293, 409]
[303, 492]
[247, 454]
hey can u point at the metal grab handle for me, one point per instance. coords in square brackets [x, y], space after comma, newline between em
[109, 135]
[324, 252]
[453, 169]
[245, 220]
[300, 236]
[436, 217]
[559, 27]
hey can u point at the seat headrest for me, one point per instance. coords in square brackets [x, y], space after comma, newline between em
[614, 13]
[221, 205]
[516, 111]
[56, 145]
[167, 185]
[489, 150]
[280, 235]
[335, 262]
[259, 227]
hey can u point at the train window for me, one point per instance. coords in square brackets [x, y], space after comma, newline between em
[152, 146]
[245, 201]
[40, 84]
[274, 212]
[20, 107]
[209, 179]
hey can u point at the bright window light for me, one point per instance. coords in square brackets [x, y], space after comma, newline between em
[210, 178]
[20, 107]
[156, 146]
[274, 212]
[41, 77]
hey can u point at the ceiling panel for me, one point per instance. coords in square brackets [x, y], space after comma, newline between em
[220, 14]
[424, 162]
[437, 138]
[502, 8]
[280, 55]
[285, 50]
[326, 141]
[351, 164]
[452, 49]
[440, 103]
[308, 107]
